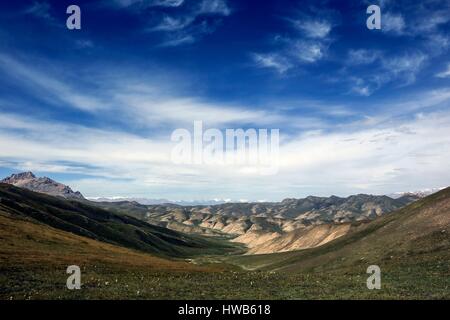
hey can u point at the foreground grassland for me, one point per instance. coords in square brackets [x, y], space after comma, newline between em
[119, 282]
[34, 258]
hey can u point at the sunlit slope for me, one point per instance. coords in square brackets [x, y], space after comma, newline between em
[26, 244]
[418, 234]
[95, 223]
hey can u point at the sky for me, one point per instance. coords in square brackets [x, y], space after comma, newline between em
[358, 110]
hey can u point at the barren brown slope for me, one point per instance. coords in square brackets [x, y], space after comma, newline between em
[304, 238]
[417, 235]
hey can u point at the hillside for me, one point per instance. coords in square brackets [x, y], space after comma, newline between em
[26, 243]
[95, 223]
[415, 237]
[260, 242]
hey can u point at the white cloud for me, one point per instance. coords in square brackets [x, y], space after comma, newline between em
[392, 23]
[406, 149]
[361, 87]
[47, 86]
[445, 73]
[433, 21]
[219, 7]
[400, 70]
[42, 10]
[146, 104]
[314, 28]
[308, 51]
[379, 158]
[309, 45]
[148, 3]
[188, 25]
[271, 60]
[169, 23]
[363, 56]
[404, 67]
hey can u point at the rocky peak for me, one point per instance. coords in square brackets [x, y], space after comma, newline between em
[45, 185]
[19, 176]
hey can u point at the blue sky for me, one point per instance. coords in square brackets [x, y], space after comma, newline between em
[358, 110]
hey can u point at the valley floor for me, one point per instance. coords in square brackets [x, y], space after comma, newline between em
[117, 282]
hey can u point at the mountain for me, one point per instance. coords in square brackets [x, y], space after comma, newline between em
[311, 210]
[415, 238]
[81, 218]
[45, 185]
[263, 227]
[268, 227]
[149, 201]
[418, 193]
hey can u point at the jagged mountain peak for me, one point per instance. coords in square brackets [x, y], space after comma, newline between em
[45, 185]
[20, 176]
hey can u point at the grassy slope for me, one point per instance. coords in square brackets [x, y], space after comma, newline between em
[412, 244]
[93, 222]
[34, 257]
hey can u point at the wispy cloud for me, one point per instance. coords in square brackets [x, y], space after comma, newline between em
[176, 22]
[404, 68]
[308, 43]
[374, 156]
[147, 3]
[313, 28]
[169, 23]
[393, 23]
[144, 105]
[186, 23]
[40, 9]
[308, 51]
[362, 56]
[445, 73]
[400, 70]
[217, 7]
[272, 60]
[46, 86]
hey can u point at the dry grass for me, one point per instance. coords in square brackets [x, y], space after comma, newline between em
[25, 243]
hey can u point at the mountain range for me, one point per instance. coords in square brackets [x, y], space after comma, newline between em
[316, 247]
[263, 227]
[149, 201]
[415, 238]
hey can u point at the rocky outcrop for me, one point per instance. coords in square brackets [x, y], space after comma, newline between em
[45, 185]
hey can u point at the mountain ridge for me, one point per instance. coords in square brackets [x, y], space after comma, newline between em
[418, 233]
[81, 218]
[264, 227]
[45, 185]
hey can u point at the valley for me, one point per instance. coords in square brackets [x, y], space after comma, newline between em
[295, 249]
[292, 224]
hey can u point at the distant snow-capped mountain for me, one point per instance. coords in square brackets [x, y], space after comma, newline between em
[149, 201]
[418, 193]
